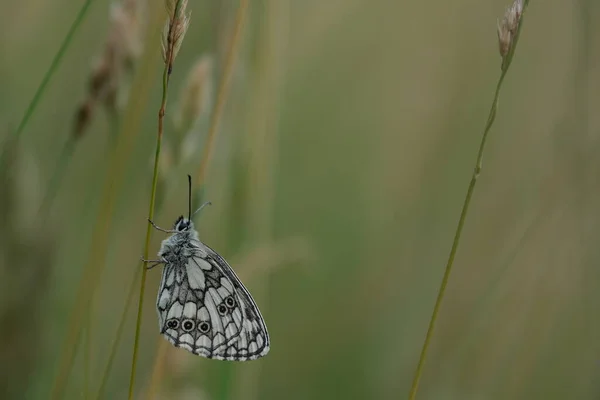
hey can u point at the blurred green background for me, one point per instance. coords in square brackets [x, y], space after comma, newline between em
[341, 164]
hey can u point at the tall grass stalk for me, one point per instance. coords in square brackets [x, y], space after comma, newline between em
[177, 26]
[101, 234]
[161, 114]
[506, 61]
[200, 177]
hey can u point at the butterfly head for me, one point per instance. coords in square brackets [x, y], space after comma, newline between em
[183, 224]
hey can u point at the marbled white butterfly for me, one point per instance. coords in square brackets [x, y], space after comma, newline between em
[202, 305]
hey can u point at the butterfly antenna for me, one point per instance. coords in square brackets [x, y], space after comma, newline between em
[208, 203]
[190, 197]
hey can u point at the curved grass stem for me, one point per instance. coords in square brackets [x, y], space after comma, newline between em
[177, 26]
[138, 324]
[52, 69]
[463, 215]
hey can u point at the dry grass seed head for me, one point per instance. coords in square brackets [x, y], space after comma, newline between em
[175, 29]
[507, 27]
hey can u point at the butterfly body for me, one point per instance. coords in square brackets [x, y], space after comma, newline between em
[202, 305]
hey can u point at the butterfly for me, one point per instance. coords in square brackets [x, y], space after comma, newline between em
[202, 305]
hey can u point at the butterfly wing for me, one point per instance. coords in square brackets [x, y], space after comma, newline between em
[204, 308]
[253, 338]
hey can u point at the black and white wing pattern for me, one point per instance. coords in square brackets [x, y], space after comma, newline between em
[204, 308]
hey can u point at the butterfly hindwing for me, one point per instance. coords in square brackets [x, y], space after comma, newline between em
[178, 305]
[253, 339]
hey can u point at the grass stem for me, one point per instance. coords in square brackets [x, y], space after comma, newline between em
[138, 324]
[463, 215]
[177, 26]
[52, 69]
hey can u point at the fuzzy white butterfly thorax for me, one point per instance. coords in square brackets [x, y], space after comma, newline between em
[202, 305]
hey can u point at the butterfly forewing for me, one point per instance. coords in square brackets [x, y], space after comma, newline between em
[202, 305]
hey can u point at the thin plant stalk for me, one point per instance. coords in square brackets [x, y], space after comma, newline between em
[52, 69]
[222, 93]
[172, 41]
[507, 60]
[148, 231]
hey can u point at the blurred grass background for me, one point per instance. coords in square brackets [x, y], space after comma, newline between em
[342, 161]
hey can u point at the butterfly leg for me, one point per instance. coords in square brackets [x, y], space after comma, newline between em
[154, 262]
[161, 229]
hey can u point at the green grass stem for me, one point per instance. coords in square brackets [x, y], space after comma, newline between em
[148, 233]
[463, 215]
[52, 69]
[169, 58]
